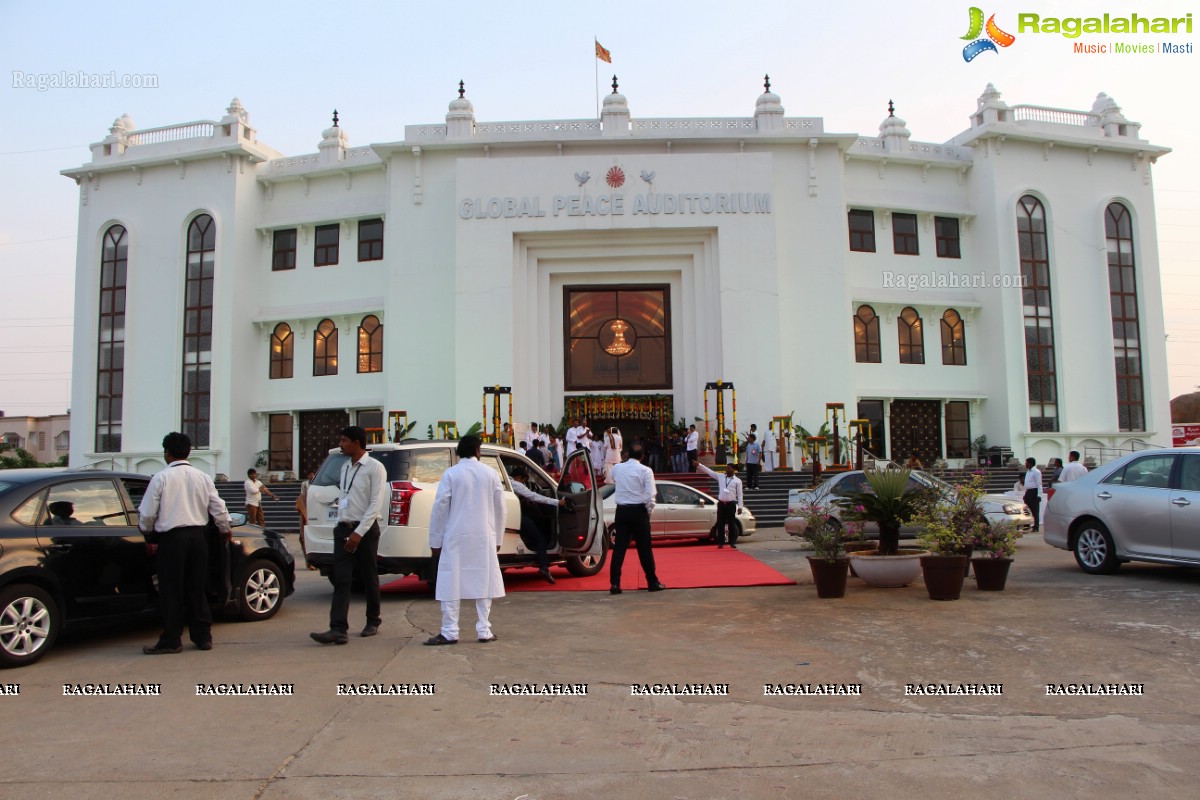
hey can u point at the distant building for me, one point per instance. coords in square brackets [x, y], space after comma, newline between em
[1005, 282]
[46, 438]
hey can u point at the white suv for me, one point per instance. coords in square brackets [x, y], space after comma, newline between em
[414, 468]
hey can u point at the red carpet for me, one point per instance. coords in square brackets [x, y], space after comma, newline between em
[680, 565]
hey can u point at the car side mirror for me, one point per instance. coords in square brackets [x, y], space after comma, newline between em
[236, 518]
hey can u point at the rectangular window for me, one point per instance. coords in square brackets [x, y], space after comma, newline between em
[946, 232]
[280, 445]
[325, 253]
[372, 423]
[370, 240]
[904, 234]
[862, 231]
[958, 429]
[617, 337]
[283, 255]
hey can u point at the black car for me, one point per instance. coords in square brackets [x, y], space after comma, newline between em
[70, 550]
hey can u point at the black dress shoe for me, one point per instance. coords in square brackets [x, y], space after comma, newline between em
[614, 590]
[721, 546]
[658, 587]
[204, 645]
[733, 547]
[434, 641]
[330, 637]
[490, 639]
[161, 649]
[370, 630]
[547, 577]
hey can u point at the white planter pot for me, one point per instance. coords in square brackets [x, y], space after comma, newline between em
[886, 572]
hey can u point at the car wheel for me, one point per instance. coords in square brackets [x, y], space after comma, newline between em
[611, 533]
[1094, 549]
[587, 564]
[29, 623]
[260, 590]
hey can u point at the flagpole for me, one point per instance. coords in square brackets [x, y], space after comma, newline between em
[596, 80]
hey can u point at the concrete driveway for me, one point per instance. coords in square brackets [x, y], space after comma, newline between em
[1054, 625]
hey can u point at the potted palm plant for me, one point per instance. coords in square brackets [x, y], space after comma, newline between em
[890, 504]
[995, 546]
[950, 523]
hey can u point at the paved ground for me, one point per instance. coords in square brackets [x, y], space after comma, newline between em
[1053, 625]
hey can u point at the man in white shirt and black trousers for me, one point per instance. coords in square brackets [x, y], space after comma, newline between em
[361, 504]
[729, 500]
[1033, 490]
[176, 507]
[634, 496]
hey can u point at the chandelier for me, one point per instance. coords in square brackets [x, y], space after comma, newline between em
[618, 346]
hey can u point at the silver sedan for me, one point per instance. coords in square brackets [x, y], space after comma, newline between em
[1144, 506]
[680, 512]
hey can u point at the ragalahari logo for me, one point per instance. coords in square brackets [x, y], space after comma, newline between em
[995, 36]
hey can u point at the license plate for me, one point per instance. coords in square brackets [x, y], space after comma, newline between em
[331, 514]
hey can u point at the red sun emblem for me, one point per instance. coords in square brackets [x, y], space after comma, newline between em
[615, 177]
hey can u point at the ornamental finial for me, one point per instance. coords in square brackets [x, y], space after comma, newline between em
[461, 91]
[335, 118]
[614, 84]
[891, 109]
[767, 83]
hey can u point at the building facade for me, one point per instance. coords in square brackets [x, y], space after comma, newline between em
[46, 438]
[1004, 283]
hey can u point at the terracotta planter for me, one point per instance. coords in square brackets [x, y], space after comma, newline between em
[829, 576]
[887, 572]
[944, 576]
[991, 573]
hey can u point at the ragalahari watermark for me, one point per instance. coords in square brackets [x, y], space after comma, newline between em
[65, 79]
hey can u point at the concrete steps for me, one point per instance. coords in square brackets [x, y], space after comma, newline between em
[280, 514]
[768, 504]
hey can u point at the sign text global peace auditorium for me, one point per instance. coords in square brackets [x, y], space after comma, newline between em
[603, 205]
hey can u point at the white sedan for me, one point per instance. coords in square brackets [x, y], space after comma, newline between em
[680, 512]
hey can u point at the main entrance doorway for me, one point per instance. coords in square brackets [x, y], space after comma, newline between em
[646, 418]
[319, 431]
[916, 430]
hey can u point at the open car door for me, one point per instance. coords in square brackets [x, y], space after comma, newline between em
[580, 520]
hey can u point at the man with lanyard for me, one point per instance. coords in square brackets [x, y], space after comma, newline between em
[361, 503]
[531, 529]
[1033, 490]
[176, 506]
[729, 500]
[634, 496]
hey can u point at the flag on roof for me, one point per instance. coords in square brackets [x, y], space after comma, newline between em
[603, 54]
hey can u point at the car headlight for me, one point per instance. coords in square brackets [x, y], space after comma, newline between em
[1014, 510]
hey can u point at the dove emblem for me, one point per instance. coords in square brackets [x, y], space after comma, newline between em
[582, 177]
[648, 177]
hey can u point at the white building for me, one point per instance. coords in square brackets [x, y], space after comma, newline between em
[46, 438]
[218, 282]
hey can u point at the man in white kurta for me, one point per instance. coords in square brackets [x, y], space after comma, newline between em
[466, 528]
[769, 449]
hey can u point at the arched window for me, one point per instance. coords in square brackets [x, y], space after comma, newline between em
[282, 342]
[912, 337]
[1039, 321]
[954, 339]
[1123, 300]
[866, 336]
[325, 348]
[110, 356]
[370, 345]
[197, 328]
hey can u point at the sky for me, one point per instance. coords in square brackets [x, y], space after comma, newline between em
[387, 65]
